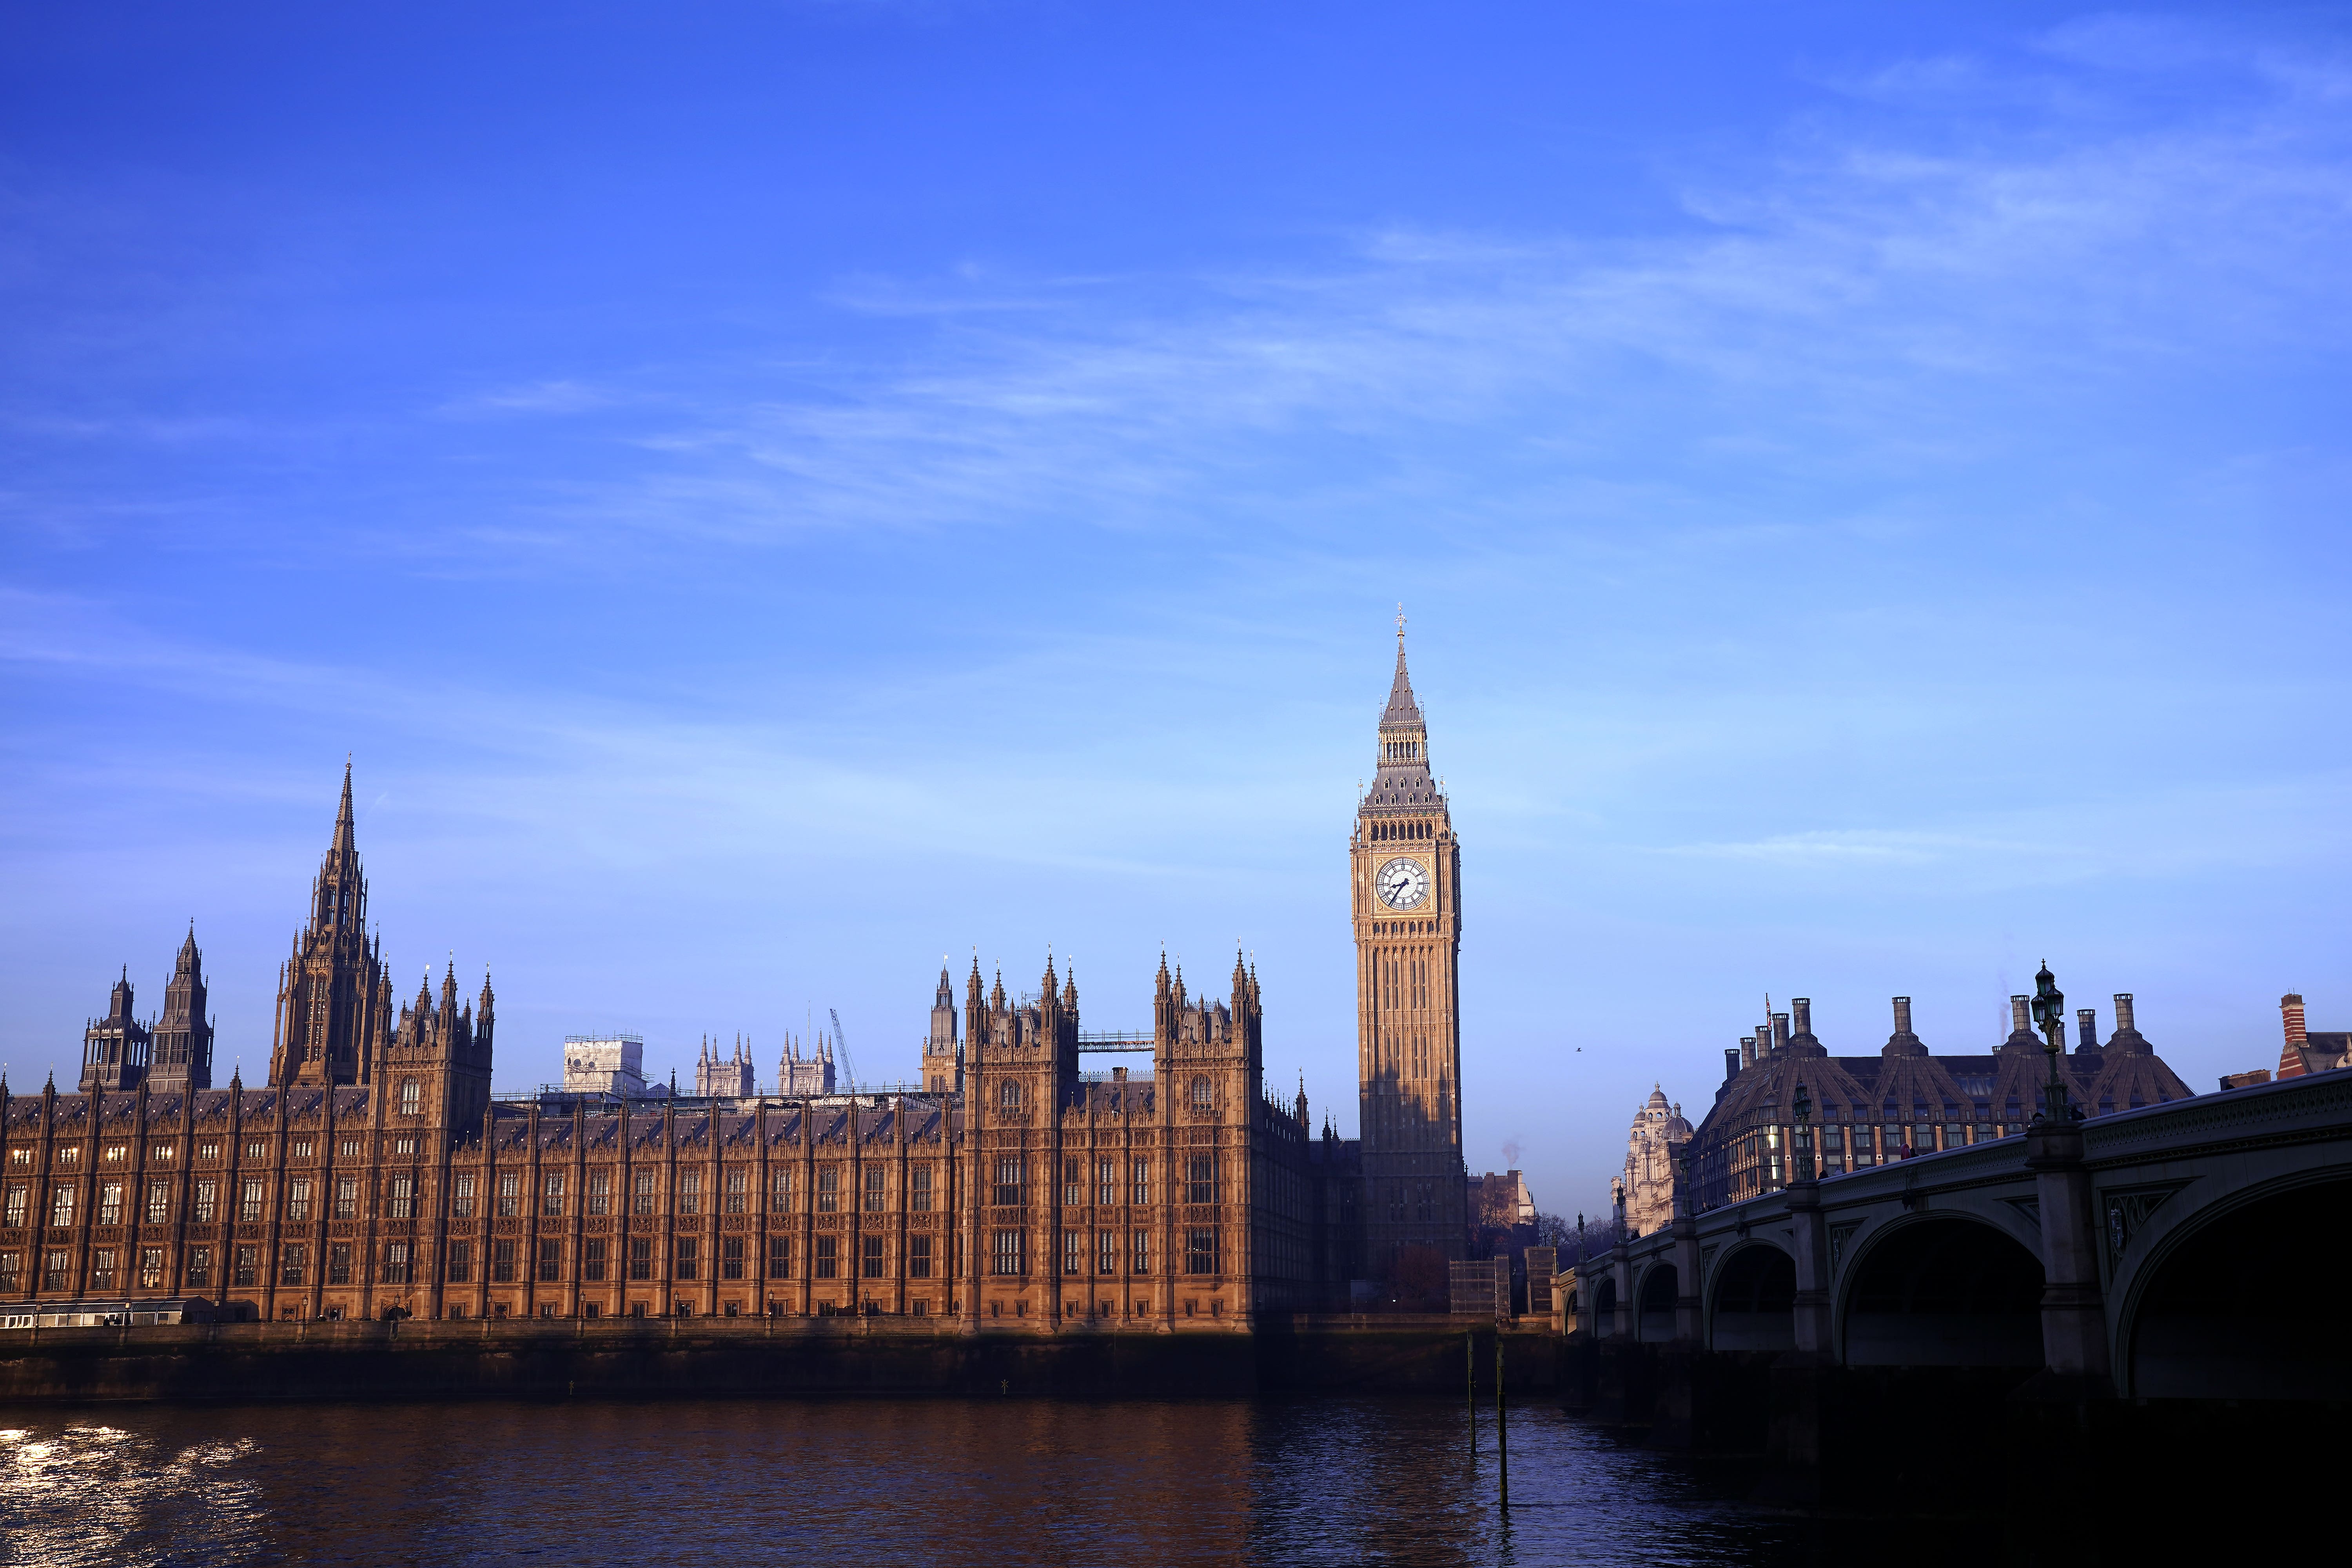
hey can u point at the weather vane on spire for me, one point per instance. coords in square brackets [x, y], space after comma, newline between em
[1399, 620]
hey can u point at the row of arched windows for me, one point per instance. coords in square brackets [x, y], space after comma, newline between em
[1385, 830]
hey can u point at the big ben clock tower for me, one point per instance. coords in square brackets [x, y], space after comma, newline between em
[1405, 894]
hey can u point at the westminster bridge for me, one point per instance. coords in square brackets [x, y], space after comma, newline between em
[2157, 1281]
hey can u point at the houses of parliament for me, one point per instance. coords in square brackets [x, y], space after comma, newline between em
[377, 1173]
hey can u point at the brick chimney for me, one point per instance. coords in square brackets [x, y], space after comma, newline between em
[2086, 1027]
[1747, 1051]
[1780, 1033]
[1731, 1063]
[2291, 1053]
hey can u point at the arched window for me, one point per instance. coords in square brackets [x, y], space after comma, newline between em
[1008, 1095]
[1201, 1094]
[411, 1098]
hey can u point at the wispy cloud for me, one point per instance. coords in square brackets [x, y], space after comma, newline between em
[1865, 279]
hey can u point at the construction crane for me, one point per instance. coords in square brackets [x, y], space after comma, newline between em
[841, 1044]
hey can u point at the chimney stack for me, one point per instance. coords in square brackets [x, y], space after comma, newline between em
[1731, 1062]
[2086, 1028]
[2291, 1053]
[1903, 1014]
[1747, 1051]
[2124, 1024]
[1803, 1008]
[1780, 1033]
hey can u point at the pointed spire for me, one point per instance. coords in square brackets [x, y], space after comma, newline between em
[344, 828]
[1401, 708]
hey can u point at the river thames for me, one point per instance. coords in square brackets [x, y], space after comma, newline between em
[917, 1481]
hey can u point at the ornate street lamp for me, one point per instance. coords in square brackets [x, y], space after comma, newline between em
[1803, 1107]
[2050, 1012]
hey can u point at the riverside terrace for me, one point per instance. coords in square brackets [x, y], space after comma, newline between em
[2171, 1274]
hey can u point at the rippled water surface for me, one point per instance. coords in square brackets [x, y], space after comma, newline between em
[950, 1481]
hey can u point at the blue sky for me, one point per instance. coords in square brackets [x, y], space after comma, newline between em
[771, 494]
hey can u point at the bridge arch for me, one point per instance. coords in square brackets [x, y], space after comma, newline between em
[1604, 1308]
[1653, 1316]
[1942, 1290]
[2239, 1298]
[1752, 1305]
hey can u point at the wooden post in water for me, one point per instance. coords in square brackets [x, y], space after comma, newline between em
[1470, 1387]
[1502, 1438]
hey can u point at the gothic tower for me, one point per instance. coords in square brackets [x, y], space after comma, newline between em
[1405, 898]
[114, 1048]
[334, 1003]
[182, 1053]
[433, 1070]
[942, 1064]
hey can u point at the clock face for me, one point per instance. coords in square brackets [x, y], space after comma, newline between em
[1403, 884]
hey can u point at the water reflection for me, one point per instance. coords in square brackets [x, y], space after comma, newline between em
[1006, 1482]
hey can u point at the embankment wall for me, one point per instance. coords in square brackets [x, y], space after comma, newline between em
[711, 1356]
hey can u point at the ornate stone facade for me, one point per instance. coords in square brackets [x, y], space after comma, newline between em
[376, 1174]
[1901, 1100]
[1651, 1149]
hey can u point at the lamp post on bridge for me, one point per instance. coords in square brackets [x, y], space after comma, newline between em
[2050, 1012]
[2075, 1347]
[1812, 1305]
[1803, 1138]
